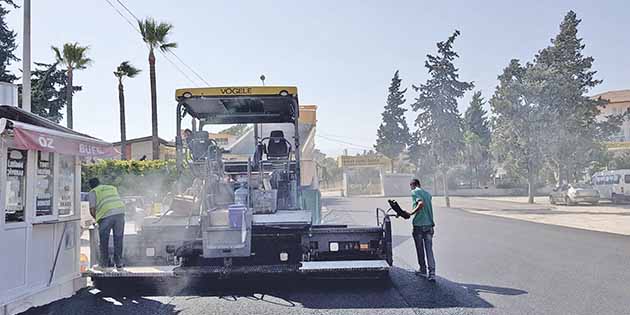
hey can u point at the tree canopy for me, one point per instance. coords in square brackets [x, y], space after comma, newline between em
[155, 34]
[126, 69]
[477, 137]
[7, 45]
[520, 130]
[392, 135]
[576, 136]
[72, 56]
[439, 123]
[49, 84]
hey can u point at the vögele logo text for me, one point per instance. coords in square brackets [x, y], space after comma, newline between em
[236, 90]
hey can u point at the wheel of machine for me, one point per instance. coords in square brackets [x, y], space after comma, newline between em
[551, 201]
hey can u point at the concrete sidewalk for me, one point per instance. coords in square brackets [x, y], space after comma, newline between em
[605, 217]
[331, 193]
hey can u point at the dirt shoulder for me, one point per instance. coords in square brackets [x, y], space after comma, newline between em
[604, 217]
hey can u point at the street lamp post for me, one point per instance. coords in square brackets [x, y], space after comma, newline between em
[26, 58]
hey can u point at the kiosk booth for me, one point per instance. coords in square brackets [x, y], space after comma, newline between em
[40, 182]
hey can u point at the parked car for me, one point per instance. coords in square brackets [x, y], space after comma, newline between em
[573, 194]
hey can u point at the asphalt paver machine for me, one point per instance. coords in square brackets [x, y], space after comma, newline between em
[247, 214]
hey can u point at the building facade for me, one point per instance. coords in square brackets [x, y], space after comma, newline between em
[618, 103]
[224, 140]
[141, 149]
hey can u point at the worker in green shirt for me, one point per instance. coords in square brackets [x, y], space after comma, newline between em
[423, 228]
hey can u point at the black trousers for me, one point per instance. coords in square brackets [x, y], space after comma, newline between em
[115, 223]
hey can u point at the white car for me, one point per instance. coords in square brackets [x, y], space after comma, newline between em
[573, 194]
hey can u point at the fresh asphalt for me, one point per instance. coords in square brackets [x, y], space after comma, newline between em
[485, 265]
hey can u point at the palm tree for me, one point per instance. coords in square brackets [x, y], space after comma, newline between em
[73, 57]
[155, 34]
[124, 70]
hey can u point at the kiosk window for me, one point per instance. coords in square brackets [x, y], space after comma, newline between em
[44, 188]
[65, 189]
[16, 185]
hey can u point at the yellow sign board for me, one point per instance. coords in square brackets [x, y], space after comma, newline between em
[236, 91]
[362, 161]
[617, 145]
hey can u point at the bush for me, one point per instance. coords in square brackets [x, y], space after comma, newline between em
[134, 178]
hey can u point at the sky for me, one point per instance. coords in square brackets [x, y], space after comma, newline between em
[340, 54]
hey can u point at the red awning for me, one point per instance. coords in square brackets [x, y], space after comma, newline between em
[31, 137]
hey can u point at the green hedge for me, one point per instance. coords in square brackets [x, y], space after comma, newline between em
[133, 178]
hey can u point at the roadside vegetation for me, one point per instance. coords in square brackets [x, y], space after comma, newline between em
[541, 128]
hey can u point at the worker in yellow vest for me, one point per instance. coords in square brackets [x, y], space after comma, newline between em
[109, 211]
[188, 135]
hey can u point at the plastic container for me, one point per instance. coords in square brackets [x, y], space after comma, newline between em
[240, 195]
[236, 215]
[265, 201]
[219, 218]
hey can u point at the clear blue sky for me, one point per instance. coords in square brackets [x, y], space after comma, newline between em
[341, 54]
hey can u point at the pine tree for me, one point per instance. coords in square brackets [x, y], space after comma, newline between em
[7, 45]
[476, 119]
[577, 135]
[393, 133]
[440, 125]
[49, 84]
[477, 139]
[473, 155]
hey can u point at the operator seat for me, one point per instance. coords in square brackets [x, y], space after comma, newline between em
[199, 145]
[278, 148]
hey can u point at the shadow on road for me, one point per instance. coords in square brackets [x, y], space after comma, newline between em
[92, 301]
[419, 293]
[476, 289]
[404, 291]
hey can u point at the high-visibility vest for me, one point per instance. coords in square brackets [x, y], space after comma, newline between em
[107, 198]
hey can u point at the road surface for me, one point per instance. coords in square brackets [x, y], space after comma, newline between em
[485, 265]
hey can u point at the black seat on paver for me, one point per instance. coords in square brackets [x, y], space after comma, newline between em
[278, 147]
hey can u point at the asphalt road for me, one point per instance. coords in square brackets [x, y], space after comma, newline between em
[485, 265]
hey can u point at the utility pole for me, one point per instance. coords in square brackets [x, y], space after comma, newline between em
[26, 58]
[256, 132]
